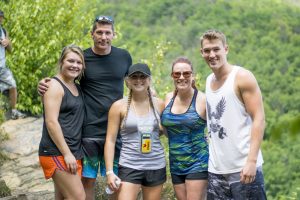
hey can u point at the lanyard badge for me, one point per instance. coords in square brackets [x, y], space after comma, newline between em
[146, 142]
[145, 131]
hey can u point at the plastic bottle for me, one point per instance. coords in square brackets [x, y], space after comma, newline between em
[109, 191]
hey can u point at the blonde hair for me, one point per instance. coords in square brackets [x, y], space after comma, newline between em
[155, 112]
[75, 49]
[213, 35]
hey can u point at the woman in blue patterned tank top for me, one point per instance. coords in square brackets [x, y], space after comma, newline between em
[185, 120]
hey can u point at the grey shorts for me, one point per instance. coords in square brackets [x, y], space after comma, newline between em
[226, 188]
[7, 80]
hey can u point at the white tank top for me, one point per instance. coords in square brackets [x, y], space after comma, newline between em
[229, 128]
[131, 155]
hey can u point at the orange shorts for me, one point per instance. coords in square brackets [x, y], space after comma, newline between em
[52, 163]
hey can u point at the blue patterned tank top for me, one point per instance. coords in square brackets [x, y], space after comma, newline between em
[188, 147]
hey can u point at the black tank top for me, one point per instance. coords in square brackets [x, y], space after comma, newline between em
[71, 117]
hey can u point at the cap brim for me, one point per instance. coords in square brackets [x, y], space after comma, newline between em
[139, 72]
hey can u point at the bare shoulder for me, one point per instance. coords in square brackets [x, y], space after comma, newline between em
[246, 86]
[245, 78]
[54, 88]
[160, 104]
[119, 104]
[168, 97]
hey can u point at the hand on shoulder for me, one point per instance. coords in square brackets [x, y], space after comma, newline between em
[54, 88]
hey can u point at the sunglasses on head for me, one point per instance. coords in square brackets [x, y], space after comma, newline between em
[185, 74]
[138, 76]
[104, 18]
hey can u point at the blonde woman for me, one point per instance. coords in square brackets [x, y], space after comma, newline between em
[60, 149]
[142, 161]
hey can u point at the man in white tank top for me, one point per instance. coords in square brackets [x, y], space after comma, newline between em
[236, 122]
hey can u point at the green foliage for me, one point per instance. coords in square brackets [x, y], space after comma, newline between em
[3, 108]
[287, 124]
[39, 30]
[263, 36]
[282, 167]
[4, 190]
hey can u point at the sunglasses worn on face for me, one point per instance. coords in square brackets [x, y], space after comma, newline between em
[185, 74]
[104, 18]
[138, 76]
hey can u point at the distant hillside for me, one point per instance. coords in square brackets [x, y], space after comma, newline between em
[263, 36]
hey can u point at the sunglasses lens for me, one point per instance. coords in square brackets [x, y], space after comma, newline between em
[186, 74]
[104, 18]
[176, 74]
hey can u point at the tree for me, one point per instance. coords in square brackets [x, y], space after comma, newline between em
[39, 30]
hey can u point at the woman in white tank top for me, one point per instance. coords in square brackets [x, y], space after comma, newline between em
[142, 162]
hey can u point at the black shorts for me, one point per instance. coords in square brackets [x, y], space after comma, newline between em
[179, 179]
[148, 178]
[94, 147]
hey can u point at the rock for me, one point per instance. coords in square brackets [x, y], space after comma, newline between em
[11, 179]
[22, 173]
[44, 195]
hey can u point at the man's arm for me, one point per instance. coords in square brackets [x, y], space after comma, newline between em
[250, 94]
[43, 86]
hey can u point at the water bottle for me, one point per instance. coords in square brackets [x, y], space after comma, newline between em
[109, 191]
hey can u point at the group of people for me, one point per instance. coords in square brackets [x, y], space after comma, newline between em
[89, 125]
[7, 82]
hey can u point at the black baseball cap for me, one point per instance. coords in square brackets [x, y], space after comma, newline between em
[1, 13]
[139, 67]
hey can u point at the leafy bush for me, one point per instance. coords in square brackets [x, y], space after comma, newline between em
[3, 108]
[38, 31]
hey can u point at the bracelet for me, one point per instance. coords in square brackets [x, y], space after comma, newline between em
[109, 172]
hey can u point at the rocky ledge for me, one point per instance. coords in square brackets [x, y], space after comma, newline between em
[21, 172]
